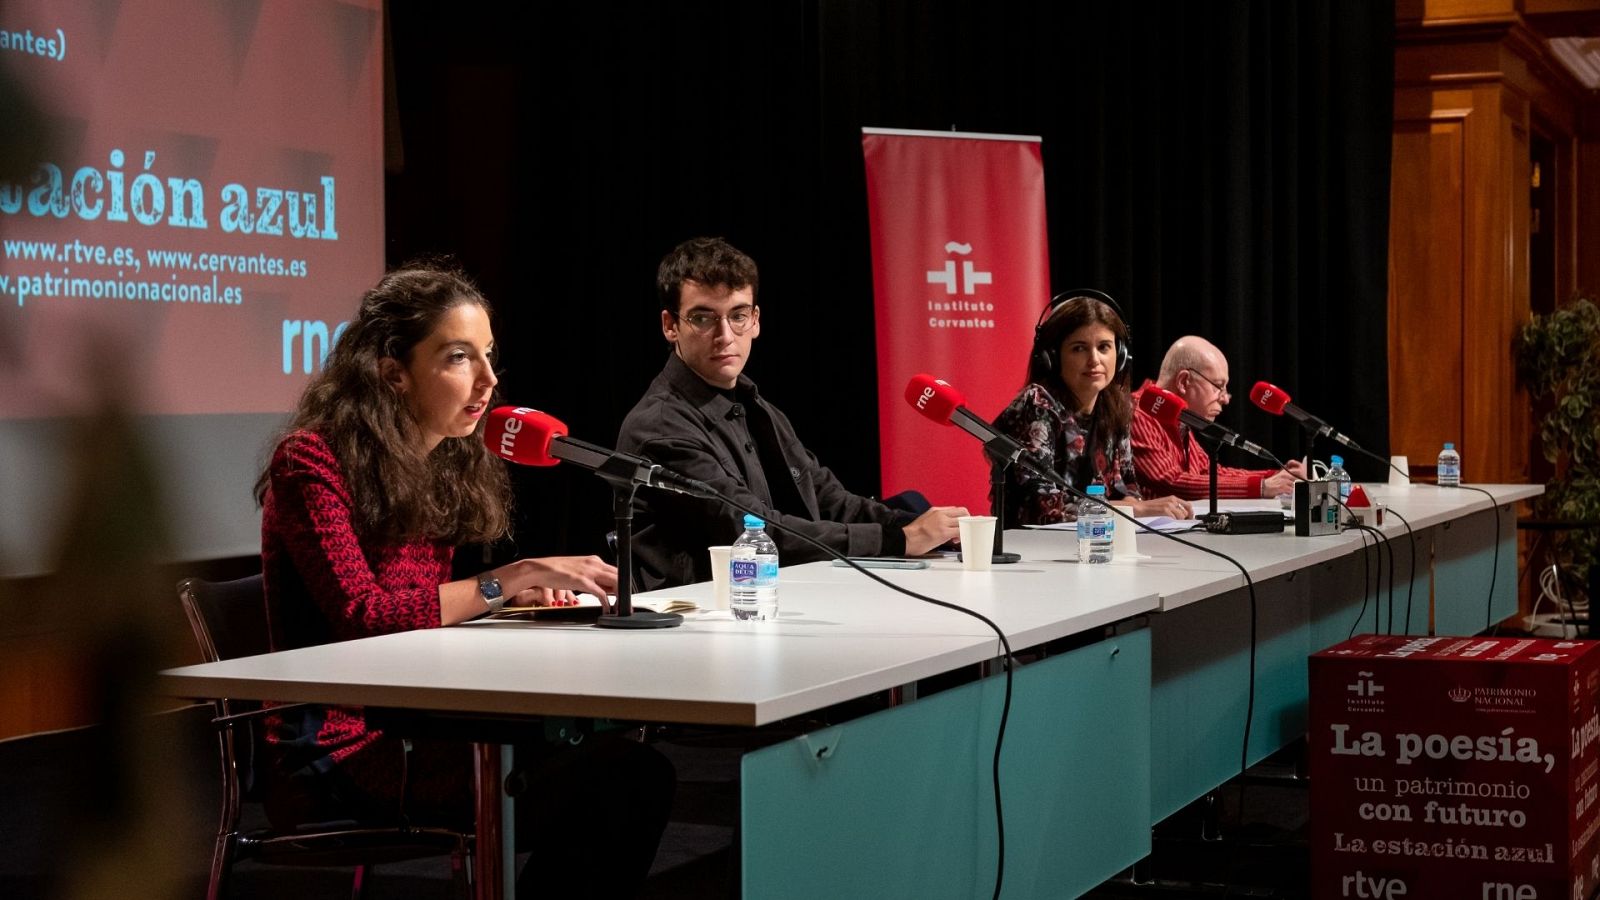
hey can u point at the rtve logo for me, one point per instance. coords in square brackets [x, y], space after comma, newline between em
[1366, 687]
[970, 277]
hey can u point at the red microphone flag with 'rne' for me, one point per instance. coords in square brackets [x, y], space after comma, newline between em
[933, 398]
[1269, 397]
[960, 272]
[522, 435]
[1165, 406]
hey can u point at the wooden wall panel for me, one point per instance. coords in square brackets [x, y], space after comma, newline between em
[1512, 402]
[1425, 313]
[1586, 207]
[42, 686]
[1484, 286]
[1452, 10]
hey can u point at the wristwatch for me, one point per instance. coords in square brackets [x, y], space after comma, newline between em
[491, 592]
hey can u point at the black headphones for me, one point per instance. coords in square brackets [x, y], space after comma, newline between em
[1049, 358]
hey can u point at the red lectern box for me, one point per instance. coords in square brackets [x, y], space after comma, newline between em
[1455, 768]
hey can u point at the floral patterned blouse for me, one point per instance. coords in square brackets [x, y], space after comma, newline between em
[1059, 438]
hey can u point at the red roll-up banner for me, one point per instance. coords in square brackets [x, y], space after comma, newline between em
[960, 271]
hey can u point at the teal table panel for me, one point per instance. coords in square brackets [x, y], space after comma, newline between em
[901, 805]
[1198, 688]
[1464, 557]
[1340, 606]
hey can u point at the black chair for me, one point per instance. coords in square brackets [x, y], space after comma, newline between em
[229, 620]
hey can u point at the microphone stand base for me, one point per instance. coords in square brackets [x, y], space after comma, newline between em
[640, 619]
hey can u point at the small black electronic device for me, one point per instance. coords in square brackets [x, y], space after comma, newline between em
[1244, 522]
[1316, 508]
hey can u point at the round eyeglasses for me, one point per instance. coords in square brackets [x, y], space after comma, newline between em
[739, 319]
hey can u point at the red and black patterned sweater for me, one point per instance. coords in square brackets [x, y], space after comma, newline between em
[324, 584]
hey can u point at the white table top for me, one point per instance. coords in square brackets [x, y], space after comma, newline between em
[838, 635]
[827, 646]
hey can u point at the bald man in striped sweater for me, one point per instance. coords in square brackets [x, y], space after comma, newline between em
[1171, 460]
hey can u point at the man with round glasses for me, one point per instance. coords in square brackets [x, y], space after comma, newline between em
[1171, 460]
[702, 417]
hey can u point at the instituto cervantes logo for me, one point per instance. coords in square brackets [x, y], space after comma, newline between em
[954, 309]
[1365, 695]
[970, 276]
[1365, 687]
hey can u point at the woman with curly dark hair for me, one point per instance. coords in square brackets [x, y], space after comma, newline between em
[1075, 415]
[382, 472]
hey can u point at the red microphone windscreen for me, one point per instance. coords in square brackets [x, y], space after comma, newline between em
[522, 435]
[1269, 397]
[1166, 406]
[933, 398]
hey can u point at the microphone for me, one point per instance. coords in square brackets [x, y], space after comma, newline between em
[1170, 410]
[1275, 400]
[941, 402]
[529, 437]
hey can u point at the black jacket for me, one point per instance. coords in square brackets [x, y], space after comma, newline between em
[694, 429]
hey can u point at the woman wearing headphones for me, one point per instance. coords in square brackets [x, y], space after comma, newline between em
[1075, 414]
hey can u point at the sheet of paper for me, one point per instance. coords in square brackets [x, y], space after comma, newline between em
[1154, 523]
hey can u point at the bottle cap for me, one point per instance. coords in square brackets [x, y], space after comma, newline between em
[1336, 460]
[1096, 490]
[1449, 446]
[751, 523]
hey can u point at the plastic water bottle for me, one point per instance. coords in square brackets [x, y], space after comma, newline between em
[753, 582]
[1449, 466]
[1336, 473]
[1095, 527]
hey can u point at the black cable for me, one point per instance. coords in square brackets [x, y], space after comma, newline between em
[1378, 542]
[1364, 596]
[1411, 582]
[1389, 627]
[1010, 661]
[1377, 585]
[1494, 566]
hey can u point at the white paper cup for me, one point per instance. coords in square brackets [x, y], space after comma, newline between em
[1125, 535]
[977, 542]
[721, 596]
[1403, 465]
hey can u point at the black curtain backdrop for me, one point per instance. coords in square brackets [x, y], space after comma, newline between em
[1221, 168]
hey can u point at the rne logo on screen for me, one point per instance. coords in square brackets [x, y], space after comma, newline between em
[970, 277]
[314, 343]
